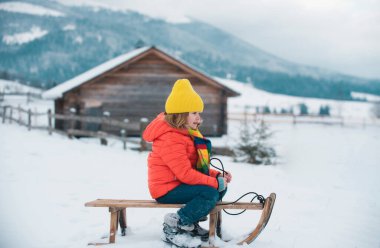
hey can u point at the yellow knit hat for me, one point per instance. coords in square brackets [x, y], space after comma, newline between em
[183, 98]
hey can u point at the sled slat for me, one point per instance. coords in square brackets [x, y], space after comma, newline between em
[154, 204]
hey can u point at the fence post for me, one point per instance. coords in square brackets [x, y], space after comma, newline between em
[29, 119]
[294, 119]
[19, 114]
[72, 120]
[341, 121]
[106, 115]
[4, 113]
[215, 129]
[124, 134]
[103, 138]
[143, 125]
[35, 119]
[245, 113]
[124, 140]
[49, 122]
[10, 115]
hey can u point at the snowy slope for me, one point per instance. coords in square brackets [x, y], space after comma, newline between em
[365, 97]
[7, 86]
[253, 97]
[30, 9]
[20, 38]
[326, 186]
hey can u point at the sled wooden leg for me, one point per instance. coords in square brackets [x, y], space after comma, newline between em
[117, 221]
[123, 221]
[219, 224]
[213, 221]
[113, 225]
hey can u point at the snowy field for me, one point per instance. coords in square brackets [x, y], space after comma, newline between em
[327, 189]
[326, 182]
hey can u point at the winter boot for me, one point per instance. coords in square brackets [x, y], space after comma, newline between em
[201, 232]
[176, 236]
[172, 236]
[195, 230]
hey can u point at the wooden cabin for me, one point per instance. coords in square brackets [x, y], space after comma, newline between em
[134, 86]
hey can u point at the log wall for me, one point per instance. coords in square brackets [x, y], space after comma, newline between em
[139, 90]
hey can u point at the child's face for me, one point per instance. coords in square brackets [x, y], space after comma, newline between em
[193, 120]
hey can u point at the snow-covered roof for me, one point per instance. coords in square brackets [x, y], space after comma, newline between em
[58, 91]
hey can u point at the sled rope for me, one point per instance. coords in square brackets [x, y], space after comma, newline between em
[255, 195]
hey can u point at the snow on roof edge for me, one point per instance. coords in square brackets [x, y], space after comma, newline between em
[58, 91]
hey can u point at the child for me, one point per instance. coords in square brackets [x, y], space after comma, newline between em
[178, 166]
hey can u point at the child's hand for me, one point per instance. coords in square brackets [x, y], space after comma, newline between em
[228, 176]
[222, 183]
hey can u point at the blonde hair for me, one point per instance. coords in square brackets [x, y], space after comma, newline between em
[177, 120]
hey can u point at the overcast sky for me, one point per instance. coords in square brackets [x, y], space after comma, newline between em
[342, 35]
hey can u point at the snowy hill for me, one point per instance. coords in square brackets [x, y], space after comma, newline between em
[252, 97]
[7, 86]
[27, 8]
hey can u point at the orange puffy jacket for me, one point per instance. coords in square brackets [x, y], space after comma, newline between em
[173, 159]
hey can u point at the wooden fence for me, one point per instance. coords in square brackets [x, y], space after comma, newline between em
[23, 117]
[304, 119]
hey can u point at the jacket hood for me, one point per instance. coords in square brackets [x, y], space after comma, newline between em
[159, 127]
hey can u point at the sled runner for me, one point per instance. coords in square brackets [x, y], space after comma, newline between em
[117, 208]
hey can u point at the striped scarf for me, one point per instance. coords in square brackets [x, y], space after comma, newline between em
[203, 147]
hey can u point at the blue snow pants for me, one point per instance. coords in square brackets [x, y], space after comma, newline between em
[199, 200]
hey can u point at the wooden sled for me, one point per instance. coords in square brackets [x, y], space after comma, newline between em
[117, 208]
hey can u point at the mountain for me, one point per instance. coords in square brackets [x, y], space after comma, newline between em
[45, 43]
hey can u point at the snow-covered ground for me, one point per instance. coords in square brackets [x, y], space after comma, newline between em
[327, 190]
[326, 183]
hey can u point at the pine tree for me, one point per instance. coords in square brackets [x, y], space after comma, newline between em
[252, 147]
[140, 43]
[324, 110]
[266, 110]
[283, 111]
[303, 109]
